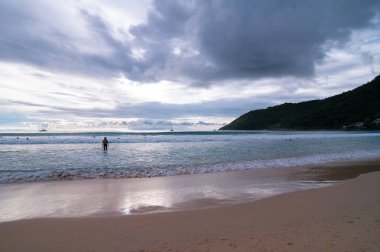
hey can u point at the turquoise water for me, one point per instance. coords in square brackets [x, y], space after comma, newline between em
[62, 156]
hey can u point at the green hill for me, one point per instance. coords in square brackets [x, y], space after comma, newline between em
[361, 104]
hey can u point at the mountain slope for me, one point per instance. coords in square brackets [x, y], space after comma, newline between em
[358, 105]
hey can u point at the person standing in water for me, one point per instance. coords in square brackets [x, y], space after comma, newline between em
[105, 144]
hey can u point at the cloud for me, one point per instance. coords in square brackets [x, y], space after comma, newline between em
[166, 125]
[254, 39]
[152, 110]
[138, 125]
[32, 37]
[198, 42]
[66, 103]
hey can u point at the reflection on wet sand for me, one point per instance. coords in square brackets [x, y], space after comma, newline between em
[147, 195]
[336, 172]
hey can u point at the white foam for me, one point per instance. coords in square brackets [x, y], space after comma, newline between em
[24, 176]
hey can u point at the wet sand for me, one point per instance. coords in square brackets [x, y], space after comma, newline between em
[106, 197]
[343, 217]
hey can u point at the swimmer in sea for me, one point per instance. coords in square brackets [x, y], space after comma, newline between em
[105, 144]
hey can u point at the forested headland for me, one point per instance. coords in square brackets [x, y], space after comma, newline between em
[355, 109]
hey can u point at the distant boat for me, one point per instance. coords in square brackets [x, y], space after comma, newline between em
[43, 128]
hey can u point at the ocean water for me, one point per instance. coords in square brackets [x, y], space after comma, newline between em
[68, 156]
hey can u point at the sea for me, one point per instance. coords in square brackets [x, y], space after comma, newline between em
[45, 156]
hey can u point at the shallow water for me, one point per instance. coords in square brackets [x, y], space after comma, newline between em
[64, 156]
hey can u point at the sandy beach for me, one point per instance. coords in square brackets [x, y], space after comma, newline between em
[195, 125]
[342, 217]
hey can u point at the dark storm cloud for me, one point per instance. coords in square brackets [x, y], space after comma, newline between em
[252, 39]
[26, 38]
[198, 42]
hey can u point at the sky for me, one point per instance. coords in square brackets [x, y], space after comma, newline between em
[83, 65]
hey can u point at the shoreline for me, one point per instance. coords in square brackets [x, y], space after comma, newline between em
[119, 197]
[67, 177]
[343, 217]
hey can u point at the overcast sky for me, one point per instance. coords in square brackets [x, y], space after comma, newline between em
[166, 64]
